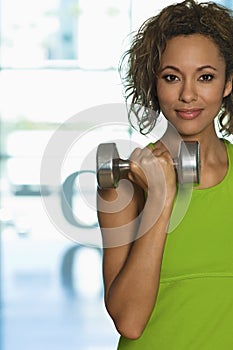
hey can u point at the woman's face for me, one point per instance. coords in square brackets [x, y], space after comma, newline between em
[191, 84]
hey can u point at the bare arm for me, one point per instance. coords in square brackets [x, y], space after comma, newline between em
[132, 270]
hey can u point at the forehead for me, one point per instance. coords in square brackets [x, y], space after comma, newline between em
[195, 49]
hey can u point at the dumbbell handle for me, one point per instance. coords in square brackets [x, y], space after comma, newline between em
[123, 164]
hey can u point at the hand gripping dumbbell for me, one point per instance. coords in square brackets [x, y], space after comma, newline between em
[109, 167]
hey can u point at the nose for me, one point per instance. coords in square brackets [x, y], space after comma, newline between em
[188, 92]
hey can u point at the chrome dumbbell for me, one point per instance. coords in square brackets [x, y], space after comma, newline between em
[110, 167]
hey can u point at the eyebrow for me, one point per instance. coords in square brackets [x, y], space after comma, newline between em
[178, 70]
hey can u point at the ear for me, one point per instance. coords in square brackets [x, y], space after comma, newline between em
[228, 87]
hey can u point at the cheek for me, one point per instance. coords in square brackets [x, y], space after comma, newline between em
[166, 95]
[213, 93]
[213, 101]
[168, 103]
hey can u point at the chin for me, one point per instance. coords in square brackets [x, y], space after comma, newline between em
[191, 134]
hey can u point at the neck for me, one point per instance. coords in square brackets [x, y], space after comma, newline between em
[211, 146]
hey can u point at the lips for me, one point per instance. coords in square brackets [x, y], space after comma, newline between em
[189, 114]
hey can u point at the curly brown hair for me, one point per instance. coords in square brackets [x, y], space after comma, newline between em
[139, 65]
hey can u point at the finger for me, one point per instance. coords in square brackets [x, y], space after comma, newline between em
[135, 154]
[159, 149]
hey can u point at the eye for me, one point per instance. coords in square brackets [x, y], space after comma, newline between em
[206, 77]
[170, 78]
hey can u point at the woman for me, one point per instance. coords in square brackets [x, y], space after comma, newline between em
[175, 291]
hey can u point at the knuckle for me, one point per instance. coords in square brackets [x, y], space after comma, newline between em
[136, 152]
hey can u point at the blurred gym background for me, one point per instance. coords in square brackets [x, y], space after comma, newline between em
[57, 58]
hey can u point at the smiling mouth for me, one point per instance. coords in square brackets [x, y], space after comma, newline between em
[189, 114]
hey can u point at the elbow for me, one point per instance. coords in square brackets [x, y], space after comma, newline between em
[127, 321]
[129, 333]
[129, 329]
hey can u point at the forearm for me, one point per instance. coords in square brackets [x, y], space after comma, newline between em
[132, 295]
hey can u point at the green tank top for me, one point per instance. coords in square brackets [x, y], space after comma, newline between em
[194, 307]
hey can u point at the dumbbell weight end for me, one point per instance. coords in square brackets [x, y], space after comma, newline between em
[188, 163]
[109, 167]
